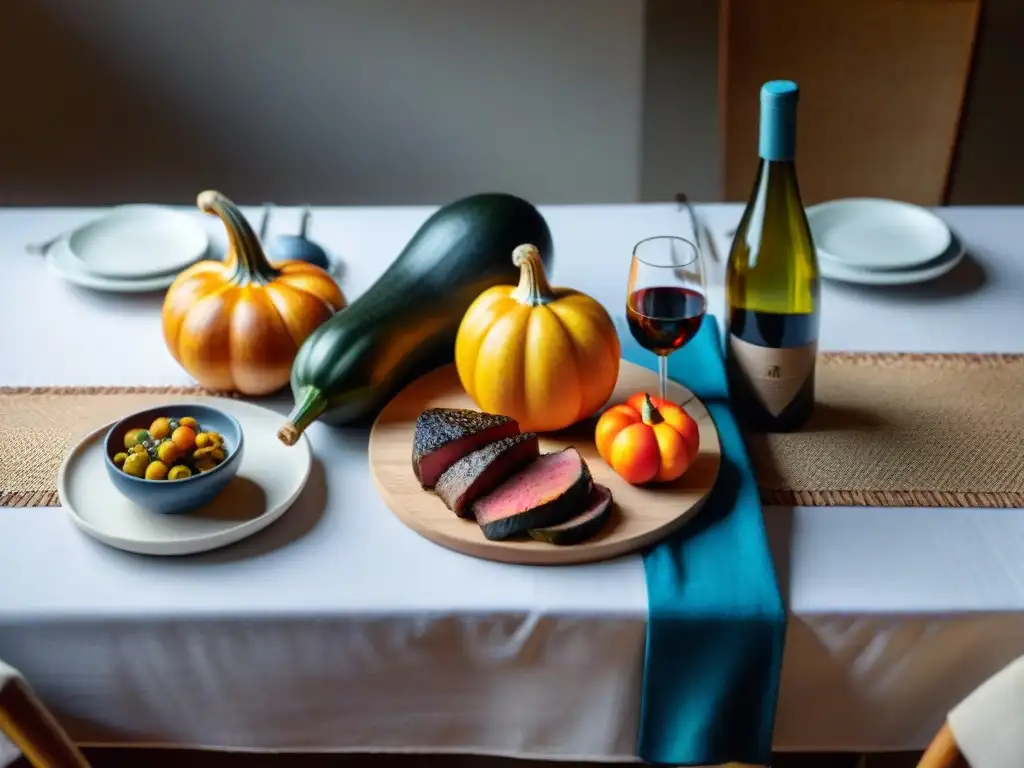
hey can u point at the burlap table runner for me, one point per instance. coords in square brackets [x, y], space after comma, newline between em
[38, 426]
[903, 430]
[888, 430]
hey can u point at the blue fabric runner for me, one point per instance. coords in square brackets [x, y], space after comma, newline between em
[716, 623]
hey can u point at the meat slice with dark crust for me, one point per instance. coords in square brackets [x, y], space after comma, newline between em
[591, 519]
[546, 492]
[481, 471]
[445, 435]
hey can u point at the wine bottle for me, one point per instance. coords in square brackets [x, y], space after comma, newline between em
[772, 283]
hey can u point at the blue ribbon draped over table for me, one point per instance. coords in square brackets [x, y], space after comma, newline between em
[716, 622]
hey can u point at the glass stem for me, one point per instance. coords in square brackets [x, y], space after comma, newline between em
[663, 376]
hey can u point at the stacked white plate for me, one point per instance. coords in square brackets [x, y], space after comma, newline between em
[131, 249]
[881, 242]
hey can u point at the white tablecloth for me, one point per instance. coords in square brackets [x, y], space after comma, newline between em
[338, 628]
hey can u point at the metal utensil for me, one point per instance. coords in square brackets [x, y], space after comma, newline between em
[299, 247]
[265, 221]
[705, 240]
[41, 247]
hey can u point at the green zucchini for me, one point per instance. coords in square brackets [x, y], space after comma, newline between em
[405, 324]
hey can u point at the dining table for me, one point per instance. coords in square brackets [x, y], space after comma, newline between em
[340, 629]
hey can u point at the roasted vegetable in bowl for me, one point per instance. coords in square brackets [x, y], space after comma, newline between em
[174, 458]
[170, 449]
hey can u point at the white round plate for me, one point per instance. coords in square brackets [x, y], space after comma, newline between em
[867, 233]
[138, 241]
[933, 269]
[65, 265]
[270, 478]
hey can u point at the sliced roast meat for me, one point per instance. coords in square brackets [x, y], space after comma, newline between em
[546, 492]
[445, 435]
[481, 471]
[593, 517]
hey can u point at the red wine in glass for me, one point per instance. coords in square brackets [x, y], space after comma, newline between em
[664, 319]
[665, 303]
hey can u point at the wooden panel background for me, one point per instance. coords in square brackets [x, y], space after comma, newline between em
[882, 84]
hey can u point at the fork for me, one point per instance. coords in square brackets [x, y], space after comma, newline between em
[700, 230]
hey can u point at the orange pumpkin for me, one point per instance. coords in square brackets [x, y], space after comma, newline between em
[647, 439]
[237, 324]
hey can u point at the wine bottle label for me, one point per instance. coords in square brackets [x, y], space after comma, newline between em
[774, 375]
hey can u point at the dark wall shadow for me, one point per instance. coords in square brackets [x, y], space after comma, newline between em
[76, 130]
[679, 101]
[988, 166]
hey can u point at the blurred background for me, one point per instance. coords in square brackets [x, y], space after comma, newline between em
[392, 102]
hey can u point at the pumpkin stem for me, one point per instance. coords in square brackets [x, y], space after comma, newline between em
[251, 264]
[534, 288]
[306, 410]
[650, 414]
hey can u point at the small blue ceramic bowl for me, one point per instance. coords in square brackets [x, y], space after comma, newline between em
[176, 497]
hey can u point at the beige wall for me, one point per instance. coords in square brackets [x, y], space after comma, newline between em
[344, 101]
[403, 101]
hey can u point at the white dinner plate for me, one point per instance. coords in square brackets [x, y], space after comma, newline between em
[133, 242]
[269, 480]
[875, 234]
[65, 265]
[920, 274]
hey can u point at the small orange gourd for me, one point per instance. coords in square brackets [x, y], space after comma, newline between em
[237, 324]
[647, 439]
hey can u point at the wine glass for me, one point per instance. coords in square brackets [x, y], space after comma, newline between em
[665, 302]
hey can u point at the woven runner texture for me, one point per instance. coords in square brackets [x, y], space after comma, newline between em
[888, 430]
[40, 425]
[894, 430]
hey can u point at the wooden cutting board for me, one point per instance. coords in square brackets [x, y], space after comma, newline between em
[642, 515]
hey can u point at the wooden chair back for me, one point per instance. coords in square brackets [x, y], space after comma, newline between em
[882, 82]
[943, 751]
[985, 729]
[31, 727]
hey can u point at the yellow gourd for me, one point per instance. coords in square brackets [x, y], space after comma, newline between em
[547, 357]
